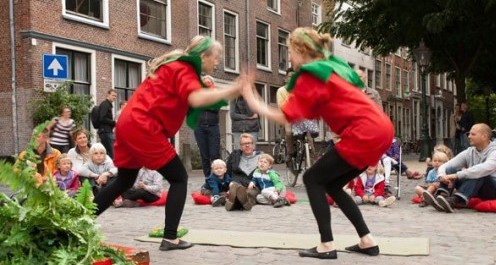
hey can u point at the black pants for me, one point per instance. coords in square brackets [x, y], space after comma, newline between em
[329, 175]
[208, 140]
[139, 194]
[174, 172]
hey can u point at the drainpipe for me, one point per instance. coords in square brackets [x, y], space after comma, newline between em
[14, 89]
[247, 43]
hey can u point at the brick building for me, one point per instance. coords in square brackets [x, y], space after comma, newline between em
[108, 43]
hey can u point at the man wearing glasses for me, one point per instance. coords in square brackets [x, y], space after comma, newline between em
[240, 165]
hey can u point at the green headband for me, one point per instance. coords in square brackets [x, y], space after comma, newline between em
[203, 46]
[307, 39]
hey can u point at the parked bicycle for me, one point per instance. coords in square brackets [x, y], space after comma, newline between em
[279, 151]
[301, 160]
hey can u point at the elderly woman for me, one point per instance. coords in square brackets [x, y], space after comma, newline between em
[79, 154]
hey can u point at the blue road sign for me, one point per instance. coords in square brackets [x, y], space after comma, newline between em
[54, 66]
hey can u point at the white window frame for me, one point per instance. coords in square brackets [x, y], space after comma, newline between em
[144, 35]
[93, 70]
[277, 9]
[264, 123]
[236, 52]
[316, 14]
[397, 82]
[212, 13]
[287, 49]
[268, 51]
[102, 24]
[388, 85]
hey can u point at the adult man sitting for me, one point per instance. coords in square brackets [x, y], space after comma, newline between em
[471, 173]
[240, 165]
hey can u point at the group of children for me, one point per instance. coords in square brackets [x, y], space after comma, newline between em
[265, 178]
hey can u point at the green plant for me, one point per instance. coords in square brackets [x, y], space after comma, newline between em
[48, 106]
[48, 227]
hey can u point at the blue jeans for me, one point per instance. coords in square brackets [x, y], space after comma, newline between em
[208, 140]
[107, 139]
[484, 188]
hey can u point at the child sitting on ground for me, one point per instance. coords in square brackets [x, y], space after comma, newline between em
[217, 184]
[267, 180]
[99, 170]
[369, 187]
[66, 178]
[431, 180]
[148, 187]
[438, 148]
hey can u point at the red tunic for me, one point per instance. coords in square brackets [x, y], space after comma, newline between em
[366, 131]
[154, 114]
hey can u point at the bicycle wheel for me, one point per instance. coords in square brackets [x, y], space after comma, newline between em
[292, 173]
[279, 153]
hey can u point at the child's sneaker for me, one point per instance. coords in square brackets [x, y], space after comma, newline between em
[387, 202]
[279, 202]
[218, 200]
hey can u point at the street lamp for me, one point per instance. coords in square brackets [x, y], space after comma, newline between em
[422, 56]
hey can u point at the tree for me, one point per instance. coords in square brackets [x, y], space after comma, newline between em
[48, 106]
[458, 33]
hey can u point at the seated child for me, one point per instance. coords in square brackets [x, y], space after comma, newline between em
[369, 187]
[431, 180]
[217, 184]
[66, 178]
[99, 170]
[438, 148]
[148, 187]
[267, 180]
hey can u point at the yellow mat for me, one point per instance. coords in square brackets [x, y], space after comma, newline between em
[395, 246]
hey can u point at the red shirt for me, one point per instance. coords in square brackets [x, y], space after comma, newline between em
[366, 131]
[154, 114]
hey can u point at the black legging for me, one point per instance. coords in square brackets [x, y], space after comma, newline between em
[329, 175]
[174, 172]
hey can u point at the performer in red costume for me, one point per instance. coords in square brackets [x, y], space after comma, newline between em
[326, 87]
[154, 114]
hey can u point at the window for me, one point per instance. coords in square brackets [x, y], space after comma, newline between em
[316, 16]
[78, 72]
[231, 41]
[388, 77]
[127, 76]
[370, 78]
[154, 22]
[273, 5]
[397, 80]
[205, 19]
[405, 81]
[414, 77]
[261, 91]
[378, 74]
[283, 50]
[94, 12]
[443, 81]
[263, 44]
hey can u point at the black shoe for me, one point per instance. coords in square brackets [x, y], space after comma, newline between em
[279, 202]
[312, 253]
[166, 245]
[430, 200]
[371, 251]
[447, 204]
[218, 201]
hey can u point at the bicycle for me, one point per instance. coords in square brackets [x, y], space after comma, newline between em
[279, 151]
[301, 160]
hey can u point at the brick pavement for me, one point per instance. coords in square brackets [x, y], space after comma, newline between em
[466, 237]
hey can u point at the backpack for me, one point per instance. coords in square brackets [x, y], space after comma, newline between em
[95, 116]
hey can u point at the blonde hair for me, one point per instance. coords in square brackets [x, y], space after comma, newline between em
[267, 157]
[98, 147]
[443, 149]
[218, 162]
[62, 157]
[246, 135]
[307, 41]
[379, 169]
[199, 45]
[441, 156]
